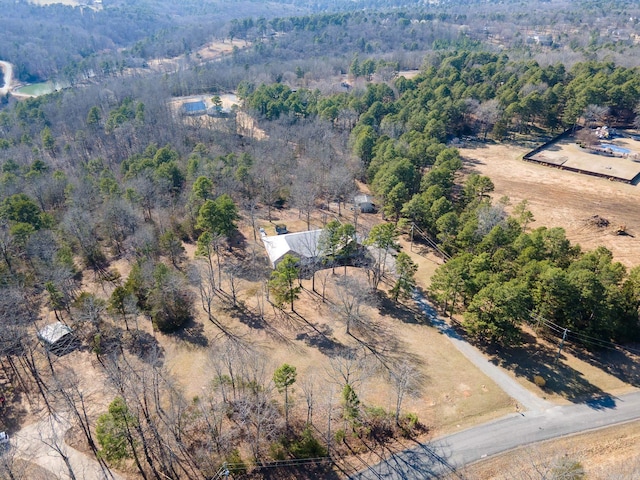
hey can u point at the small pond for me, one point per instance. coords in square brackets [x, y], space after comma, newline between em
[36, 89]
[614, 148]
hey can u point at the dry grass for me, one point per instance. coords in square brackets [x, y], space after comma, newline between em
[455, 394]
[559, 198]
[604, 454]
[218, 48]
[571, 380]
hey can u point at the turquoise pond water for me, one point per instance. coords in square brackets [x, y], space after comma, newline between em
[36, 89]
[615, 148]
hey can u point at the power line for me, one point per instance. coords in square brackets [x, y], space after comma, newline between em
[430, 242]
[227, 468]
[584, 338]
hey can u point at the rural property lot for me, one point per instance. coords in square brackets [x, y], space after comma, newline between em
[560, 198]
[568, 154]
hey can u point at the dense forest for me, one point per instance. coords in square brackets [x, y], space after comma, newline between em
[109, 171]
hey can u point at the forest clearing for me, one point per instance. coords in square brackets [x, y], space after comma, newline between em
[559, 198]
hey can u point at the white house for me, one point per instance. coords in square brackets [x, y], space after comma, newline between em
[302, 245]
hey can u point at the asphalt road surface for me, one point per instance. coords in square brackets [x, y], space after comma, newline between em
[541, 421]
[448, 454]
[526, 399]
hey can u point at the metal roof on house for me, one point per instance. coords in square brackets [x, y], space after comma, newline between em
[300, 244]
[363, 198]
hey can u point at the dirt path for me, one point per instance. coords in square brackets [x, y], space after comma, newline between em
[7, 70]
[43, 443]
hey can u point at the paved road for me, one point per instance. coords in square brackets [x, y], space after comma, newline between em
[524, 397]
[541, 421]
[43, 444]
[447, 454]
[7, 70]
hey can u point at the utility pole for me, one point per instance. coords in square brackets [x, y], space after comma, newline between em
[412, 225]
[564, 335]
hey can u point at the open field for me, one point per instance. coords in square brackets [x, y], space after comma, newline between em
[559, 198]
[218, 48]
[455, 394]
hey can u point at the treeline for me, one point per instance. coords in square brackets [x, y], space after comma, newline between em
[509, 277]
[91, 176]
[461, 94]
[500, 275]
[60, 36]
[73, 44]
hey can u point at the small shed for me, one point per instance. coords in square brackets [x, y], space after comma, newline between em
[56, 337]
[365, 203]
[194, 108]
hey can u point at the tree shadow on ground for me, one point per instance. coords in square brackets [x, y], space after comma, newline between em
[193, 333]
[531, 359]
[623, 365]
[411, 459]
[256, 321]
[469, 163]
[316, 335]
[409, 314]
[378, 339]
[309, 471]
[13, 414]
[143, 345]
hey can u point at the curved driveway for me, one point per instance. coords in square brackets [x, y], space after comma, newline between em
[43, 443]
[541, 421]
[524, 397]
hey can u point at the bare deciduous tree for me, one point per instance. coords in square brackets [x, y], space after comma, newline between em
[406, 379]
[351, 295]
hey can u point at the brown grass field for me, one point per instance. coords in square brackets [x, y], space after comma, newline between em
[569, 200]
[560, 198]
[455, 395]
[566, 153]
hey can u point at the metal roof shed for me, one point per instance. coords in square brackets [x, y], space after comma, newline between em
[365, 203]
[56, 336]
